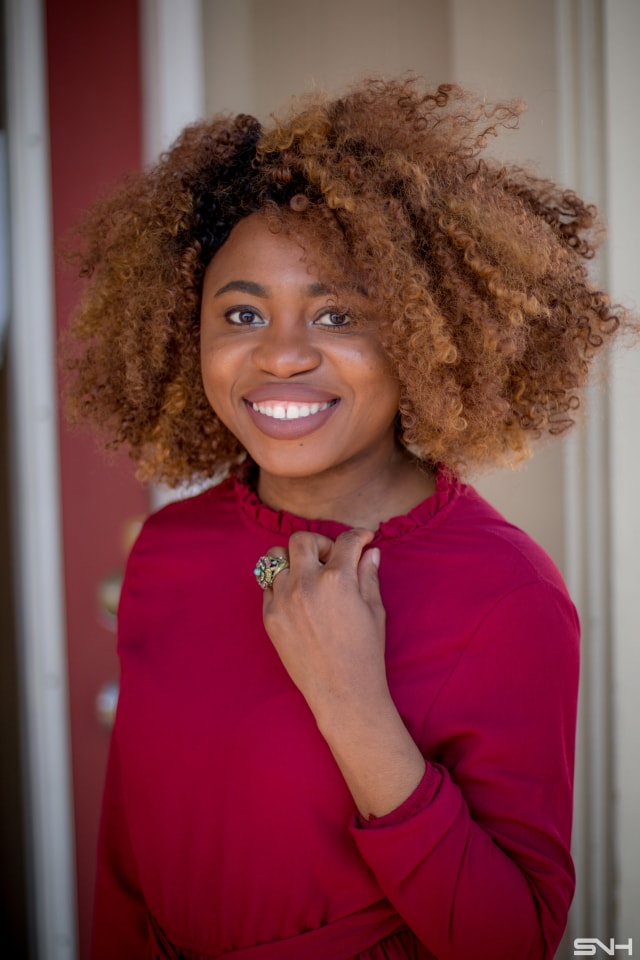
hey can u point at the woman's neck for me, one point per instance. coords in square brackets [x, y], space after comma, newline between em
[357, 500]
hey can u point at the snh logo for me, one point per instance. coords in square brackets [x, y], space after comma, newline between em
[592, 947]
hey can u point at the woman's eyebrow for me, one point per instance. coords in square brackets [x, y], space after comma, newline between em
[243, 286]
[257, 290]
[317, 290]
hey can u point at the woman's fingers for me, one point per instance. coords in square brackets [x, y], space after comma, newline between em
[368, 580]
[307, 550]
[347, 549]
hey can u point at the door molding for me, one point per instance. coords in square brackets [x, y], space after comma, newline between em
[621, 29]
[35, 484]
[587, 493]
[598, 82]
[172, 70]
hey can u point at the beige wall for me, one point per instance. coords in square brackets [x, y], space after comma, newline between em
[260, 52]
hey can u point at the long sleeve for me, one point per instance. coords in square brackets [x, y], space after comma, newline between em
[477, 860]
[120, 917]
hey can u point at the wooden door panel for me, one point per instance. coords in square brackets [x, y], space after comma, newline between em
[95, 137]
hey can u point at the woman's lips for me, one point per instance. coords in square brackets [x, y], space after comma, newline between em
[289, 419]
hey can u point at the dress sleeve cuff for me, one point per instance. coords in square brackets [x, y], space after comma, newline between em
[415, 802]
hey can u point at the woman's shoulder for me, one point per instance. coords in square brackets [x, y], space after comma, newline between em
[187, 517]
[496, 547]
[458, 536]
[192, 503]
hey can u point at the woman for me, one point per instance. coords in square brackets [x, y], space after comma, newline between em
[372, 756]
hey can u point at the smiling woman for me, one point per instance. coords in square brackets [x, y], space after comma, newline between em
[372, 756]
[309, 392]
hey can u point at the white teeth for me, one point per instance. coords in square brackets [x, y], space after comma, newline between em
[289, 411]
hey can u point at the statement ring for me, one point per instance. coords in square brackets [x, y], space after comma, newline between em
[267, 569]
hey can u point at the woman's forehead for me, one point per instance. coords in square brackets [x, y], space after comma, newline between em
[266, 244]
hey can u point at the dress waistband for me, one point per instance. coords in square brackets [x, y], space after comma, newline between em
[341, 940]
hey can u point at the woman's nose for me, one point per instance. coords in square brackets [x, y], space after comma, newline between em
[286, 349]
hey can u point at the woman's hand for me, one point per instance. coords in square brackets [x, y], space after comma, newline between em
[325, 618]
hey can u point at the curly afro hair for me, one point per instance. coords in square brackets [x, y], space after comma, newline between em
[479, 267]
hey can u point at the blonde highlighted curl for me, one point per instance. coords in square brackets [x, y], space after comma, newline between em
[478, 267]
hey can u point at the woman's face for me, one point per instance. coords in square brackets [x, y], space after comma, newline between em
[305, 390]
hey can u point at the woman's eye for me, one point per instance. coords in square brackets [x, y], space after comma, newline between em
[332, 319]
[243, 317]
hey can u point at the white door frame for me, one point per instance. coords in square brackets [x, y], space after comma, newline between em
[172, 70]
[599, 85]
[35, 484]
[587, 495]
[621, 32]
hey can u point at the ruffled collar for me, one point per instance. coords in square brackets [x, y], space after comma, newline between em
[281, 522]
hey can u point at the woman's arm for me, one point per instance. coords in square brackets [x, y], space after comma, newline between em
[327, 622]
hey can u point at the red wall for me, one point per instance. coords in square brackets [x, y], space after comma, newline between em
[95, 129]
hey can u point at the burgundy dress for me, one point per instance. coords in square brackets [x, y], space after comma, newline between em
[227, 828]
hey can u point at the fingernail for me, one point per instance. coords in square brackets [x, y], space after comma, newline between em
[375, 556]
